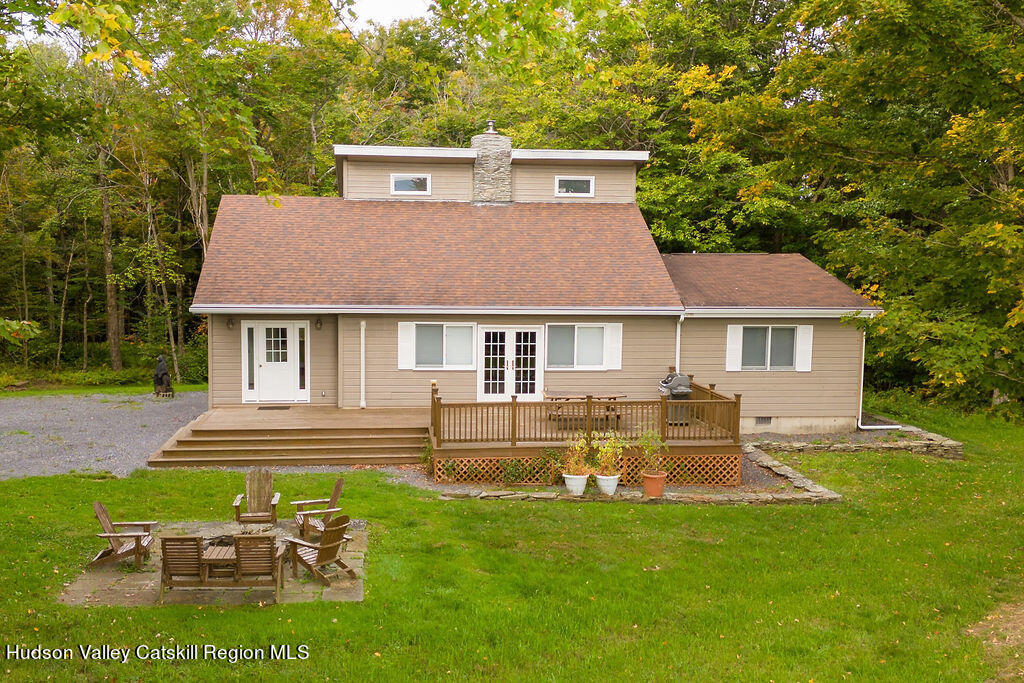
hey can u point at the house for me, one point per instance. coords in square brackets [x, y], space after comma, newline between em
[497, 275]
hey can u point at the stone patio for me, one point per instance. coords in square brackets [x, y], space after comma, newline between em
[123, 585]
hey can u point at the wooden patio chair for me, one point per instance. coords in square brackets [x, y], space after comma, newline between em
[260, 499]
[313, 521]
[316, 556]
[259, 562]
[182, 563]
[122, 544]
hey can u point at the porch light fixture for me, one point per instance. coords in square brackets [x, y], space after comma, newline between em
[231, 323]
[319, 324]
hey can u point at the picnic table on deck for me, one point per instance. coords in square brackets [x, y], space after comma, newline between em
[561, 411]
[577, 396]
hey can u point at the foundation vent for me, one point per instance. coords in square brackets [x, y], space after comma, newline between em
[762, 421]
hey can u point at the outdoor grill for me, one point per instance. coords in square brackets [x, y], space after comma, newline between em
[677, 388]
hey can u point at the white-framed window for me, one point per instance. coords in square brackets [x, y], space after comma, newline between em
[584, 346]
[574, 186]
[410, 184]
[769, 347]
[436, 346]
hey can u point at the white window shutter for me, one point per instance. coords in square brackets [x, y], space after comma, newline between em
[613, 346]
[733, 347]
[406, 346]
[804, 337]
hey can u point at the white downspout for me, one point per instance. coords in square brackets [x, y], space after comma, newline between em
[679, 334]
[860, 402]
[362, 363]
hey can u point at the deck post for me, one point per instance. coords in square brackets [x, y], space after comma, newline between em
[590, 420]
[514, 420]
[435, 411]
[664, 418]
[736, 421]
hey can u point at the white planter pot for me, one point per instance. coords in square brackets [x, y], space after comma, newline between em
[576, 483]
[607, 484]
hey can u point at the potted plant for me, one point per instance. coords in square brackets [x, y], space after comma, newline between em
[609, 451]
[651, 447]
[574, 467]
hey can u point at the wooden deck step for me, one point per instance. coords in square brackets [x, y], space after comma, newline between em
[271, 432]
[411, 441]
[186, 450]
[283, 460]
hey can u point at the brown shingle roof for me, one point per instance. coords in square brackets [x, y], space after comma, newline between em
[758, 281]
[328, 251]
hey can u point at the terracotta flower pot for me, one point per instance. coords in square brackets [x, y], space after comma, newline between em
[654, 484]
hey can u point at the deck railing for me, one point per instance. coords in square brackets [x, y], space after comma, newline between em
[707, 416]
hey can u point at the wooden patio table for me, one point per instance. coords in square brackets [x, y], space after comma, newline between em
[220, 561]
[609, 418]
[576, 396]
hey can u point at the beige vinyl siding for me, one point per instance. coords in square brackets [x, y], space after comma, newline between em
[372, 179]
[830, 389]
[536, 182]
[648, 347]
[226, 358]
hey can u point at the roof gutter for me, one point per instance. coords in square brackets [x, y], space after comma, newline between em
[240, 309]
[780, 312]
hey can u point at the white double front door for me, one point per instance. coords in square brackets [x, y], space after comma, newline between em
[275, 361]
[510, 363]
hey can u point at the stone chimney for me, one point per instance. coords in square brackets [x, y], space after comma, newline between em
[492, 172]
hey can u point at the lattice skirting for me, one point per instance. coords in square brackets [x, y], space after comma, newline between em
[683, 470]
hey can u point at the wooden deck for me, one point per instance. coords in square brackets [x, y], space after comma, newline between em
[297, 435]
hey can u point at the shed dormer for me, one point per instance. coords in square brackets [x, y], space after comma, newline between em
[490, 170]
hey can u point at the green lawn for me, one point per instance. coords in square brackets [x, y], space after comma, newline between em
[97, 389]
[881, 586]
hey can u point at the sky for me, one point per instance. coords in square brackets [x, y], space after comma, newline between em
[387, 11]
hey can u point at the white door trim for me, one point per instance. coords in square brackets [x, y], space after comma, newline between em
[510, 331]
[296, 394]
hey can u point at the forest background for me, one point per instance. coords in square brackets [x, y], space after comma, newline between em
[883, 139]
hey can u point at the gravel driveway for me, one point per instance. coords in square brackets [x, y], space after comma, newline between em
[117, 433]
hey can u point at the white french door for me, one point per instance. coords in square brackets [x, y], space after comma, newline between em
[510, 363]
[275, 361]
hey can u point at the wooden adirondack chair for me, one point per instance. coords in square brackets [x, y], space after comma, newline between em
[315, 557]
[260, 499]
[313, 521]
[123, 544]
[258, 562]
[182, 562]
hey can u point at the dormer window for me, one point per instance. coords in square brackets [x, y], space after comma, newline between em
[574, 186]
[410, 184]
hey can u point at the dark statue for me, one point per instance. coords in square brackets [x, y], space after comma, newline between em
[162, 378]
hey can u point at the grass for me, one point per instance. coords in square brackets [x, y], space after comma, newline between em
[881, 586]
[117, 389]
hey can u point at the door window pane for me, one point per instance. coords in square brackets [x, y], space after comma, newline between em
[276, 339]
[458, 345]
[526, 363]
[250, 335]
[783, 346]
[589, 346]
[429, 345]
[494, 362]
[755, 344]
[302, 357]
[561, 342]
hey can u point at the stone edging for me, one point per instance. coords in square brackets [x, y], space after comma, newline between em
[808, 493]
[924, 443]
